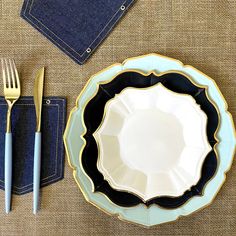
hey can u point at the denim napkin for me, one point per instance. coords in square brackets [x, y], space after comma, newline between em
[77, 27]
[23, 130]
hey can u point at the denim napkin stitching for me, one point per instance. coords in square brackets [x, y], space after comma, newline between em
[49, 179]
[78, 57]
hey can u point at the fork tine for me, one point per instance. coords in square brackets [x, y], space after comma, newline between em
[13, 79]
[16, 74]
[4, 74]
[8, 73]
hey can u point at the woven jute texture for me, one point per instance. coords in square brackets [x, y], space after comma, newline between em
[201, 33]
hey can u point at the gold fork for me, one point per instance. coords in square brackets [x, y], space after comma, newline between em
[12, 92]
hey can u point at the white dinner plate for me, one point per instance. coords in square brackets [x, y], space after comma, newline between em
[152, 142]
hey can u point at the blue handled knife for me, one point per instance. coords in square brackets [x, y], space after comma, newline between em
[38, 100]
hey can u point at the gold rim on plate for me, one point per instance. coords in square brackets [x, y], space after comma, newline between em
[74, 168]
[146, 88]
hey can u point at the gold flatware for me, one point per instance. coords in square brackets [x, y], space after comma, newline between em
[38, 100]
[12, 93]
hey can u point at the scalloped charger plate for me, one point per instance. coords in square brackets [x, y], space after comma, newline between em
[153, 215]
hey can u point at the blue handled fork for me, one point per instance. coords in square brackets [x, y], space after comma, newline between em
[12, 92]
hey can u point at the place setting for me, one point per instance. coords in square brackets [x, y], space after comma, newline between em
[29, 124]
[159, 145]
[148, 141]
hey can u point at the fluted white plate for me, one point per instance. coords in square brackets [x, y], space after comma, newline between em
[152, 142]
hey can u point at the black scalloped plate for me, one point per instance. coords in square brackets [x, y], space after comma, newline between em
[93, 114]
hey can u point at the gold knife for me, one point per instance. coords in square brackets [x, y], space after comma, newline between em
[38, 101]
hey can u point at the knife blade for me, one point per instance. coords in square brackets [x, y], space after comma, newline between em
[38, 97]
[38, 101]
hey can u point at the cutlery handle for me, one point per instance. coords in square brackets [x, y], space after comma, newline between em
[37, 167]
[8, 171]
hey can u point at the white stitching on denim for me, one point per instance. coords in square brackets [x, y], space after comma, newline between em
[55, 173]
[64, 49]
[63, 40]
[55, 42]
[55, 170]
[30, 190]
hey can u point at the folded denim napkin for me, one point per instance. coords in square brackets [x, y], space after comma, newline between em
[23, 131]
[77, 27]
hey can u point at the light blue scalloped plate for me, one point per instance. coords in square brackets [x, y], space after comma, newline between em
[141, 214]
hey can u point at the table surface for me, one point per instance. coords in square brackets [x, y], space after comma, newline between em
[201, 33]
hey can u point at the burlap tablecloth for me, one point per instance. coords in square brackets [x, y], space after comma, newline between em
[197, 32]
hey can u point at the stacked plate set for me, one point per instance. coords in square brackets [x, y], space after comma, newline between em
[150, 140]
